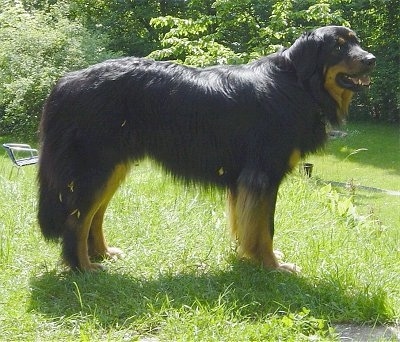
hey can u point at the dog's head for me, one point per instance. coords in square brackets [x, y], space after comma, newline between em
[331, 60]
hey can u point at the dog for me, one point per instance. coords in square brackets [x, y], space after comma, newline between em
[238, 127]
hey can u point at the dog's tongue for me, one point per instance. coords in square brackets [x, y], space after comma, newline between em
[362, 80]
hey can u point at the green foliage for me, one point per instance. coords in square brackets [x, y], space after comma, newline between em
[41, 40]
[262, 27]
[188, 41]
[377, 24]
[238, 31]
[36, 49]
[368, 156]
[344, 208]
[126, 23]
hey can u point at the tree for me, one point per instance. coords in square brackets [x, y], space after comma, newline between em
[377, 22]
[239, 31]
[36, 49]
[42, 39]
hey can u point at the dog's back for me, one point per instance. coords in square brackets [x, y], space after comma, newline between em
[240, 127]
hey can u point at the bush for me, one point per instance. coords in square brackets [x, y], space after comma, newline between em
[382, 101]
[188, 41]
[376, 23]
[37, 48]
[238, 31]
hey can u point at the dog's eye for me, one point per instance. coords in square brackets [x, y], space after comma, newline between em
[340, 44]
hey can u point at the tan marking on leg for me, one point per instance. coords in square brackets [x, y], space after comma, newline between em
[294, 158]
[98, 247]
[232, 199]
[89, 226]
[253, 234]
[82, 227]
[97, 243]
[75, 247]
[254, 217]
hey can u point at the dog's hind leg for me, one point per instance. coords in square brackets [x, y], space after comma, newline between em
[75, 241]
[252, 223]
[97, 244]
[84, 233]
[232, 202]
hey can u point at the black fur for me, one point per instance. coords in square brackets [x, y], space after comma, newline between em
[213, 126]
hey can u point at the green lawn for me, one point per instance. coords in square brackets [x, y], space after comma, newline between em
[180, 279]
[369, 156]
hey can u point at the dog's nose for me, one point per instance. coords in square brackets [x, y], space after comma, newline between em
[369, 59]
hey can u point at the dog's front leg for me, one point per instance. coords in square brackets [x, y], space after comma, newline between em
[252, 209]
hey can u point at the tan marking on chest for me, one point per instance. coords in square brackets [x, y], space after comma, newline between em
[294, 158]
[341, 96]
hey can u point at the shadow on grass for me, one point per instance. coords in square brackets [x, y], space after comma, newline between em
[245, 291]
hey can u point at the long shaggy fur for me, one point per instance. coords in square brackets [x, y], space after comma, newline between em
[239, 127]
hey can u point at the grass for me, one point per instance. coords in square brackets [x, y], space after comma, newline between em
[369, 156]
[180, 279]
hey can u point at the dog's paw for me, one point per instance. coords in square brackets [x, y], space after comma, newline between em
[114, 253]
[285, 266]
[289, 267]
[279, 255]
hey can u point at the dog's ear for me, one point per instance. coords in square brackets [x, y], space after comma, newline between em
[304, 53]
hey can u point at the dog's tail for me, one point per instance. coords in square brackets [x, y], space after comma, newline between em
[53, 175]
[52, 213]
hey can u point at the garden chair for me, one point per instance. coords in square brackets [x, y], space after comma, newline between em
[21, 155]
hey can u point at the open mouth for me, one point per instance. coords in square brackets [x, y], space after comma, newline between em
[353, 82]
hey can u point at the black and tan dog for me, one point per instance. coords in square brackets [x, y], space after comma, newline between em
[240, 127]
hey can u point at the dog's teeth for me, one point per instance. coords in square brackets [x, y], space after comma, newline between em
[363, 80]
